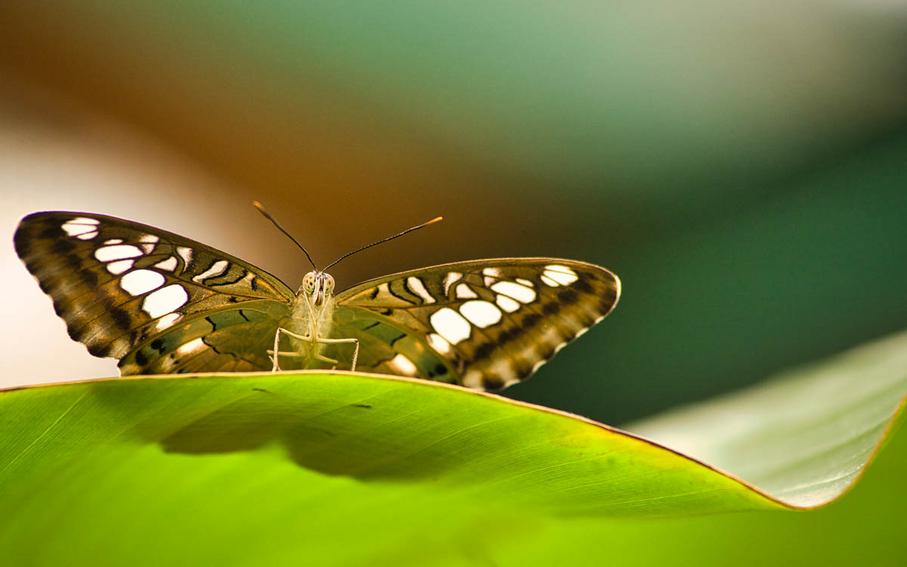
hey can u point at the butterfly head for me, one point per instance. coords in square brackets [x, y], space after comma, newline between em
[317, 286]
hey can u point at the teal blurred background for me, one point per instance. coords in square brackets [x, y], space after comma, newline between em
[742, 167]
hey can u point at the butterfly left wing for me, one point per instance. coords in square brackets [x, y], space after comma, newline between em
[233, 339]
[159, 302]
[484, 324]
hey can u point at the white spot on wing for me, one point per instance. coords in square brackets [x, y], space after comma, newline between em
[481, 313]
[502, 367]
[516, 291]
[120, 266]
[185, 253]
[169, 264]
[491, 275]
[217, 269]
[561, 275]
[472, 379]
[465, 292]
[113, 241]
[165, 300]
[418, 287]
[190, 347]
[116, 252]
[450, 325]
[139, 282]
[148, 242]
[403, 365]
[81, 227]
[449, 279]
[167, 320]
[525, 282]
[507, 304]
[439, 343]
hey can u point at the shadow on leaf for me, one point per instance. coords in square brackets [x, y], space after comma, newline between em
[355, 440]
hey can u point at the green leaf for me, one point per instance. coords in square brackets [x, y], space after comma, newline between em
[339, 467]
[805, 436]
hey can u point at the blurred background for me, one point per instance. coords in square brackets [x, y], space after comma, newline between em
[743, 169]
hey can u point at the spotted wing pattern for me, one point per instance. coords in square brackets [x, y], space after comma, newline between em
[159, 302]
[484, 324]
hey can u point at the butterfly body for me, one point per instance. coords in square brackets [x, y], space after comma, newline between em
[162, 303]
[310, 320]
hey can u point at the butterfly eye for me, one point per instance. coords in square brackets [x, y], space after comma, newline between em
[308, 282]
[328, 283]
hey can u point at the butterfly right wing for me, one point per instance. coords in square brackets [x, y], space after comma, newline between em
[484, 324]
[141, 294]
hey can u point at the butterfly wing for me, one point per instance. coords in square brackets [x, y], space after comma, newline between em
[159, 302]
[483, 324]
[234, 339]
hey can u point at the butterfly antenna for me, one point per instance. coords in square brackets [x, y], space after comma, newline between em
[267, 215]
[383, 240]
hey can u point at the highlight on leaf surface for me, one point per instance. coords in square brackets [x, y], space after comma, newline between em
[803, 437]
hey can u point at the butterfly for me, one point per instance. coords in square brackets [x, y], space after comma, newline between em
[162, 303]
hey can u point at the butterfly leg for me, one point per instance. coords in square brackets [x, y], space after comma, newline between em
[344, 341]
[276, 354]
